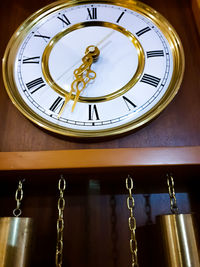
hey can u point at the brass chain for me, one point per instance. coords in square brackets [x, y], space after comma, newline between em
[132, 222]
[60, 222]
[18, 197]
[170, 183]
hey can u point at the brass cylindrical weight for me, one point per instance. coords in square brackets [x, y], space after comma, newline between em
[15, 241]
[180, 240]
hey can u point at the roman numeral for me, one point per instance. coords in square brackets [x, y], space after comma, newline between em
[46, 38]
[31, 60]
[120, 17]
[57, 104]
[139, 33]
[35, 85]
[155, 53]
[128, 102]
[64, 19]
[151, 80]
[92, 13]
[93, 112]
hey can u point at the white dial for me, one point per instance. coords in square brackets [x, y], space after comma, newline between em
[118, 91]
[116, 64]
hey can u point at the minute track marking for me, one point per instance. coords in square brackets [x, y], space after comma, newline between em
[42, 101]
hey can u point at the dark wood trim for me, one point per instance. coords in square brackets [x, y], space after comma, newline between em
[196, 12]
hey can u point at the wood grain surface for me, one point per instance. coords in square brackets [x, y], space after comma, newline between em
[101, 158]
[196, 12]
[177, 125]
[96, 215]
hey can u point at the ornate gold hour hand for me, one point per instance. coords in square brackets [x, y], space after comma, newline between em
[83, 75]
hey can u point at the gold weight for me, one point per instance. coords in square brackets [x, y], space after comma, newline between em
[180, 240]
[15, 241]
[179, 234]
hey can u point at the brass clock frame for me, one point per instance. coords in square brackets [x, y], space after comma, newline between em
[117, 93]
[166, 28]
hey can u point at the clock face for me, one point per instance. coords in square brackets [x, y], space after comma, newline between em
[87, 69]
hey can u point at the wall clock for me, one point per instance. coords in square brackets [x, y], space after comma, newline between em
[93, 68]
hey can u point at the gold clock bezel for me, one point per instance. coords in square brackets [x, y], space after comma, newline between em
[118, 92]
[141, 8]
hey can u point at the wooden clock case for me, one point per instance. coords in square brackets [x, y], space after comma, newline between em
[96, 216]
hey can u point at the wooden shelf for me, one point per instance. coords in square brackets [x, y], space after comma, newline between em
[99, 158]
[145, 164]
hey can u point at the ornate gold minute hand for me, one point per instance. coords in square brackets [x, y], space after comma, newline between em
[82, 76]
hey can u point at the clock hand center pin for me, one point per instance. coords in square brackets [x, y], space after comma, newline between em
[83, 75]
[97, 45]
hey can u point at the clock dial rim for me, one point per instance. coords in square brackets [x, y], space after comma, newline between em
[156, 18]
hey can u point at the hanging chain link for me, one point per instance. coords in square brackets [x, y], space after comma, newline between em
[18, 197]
[132, 222]
[170, 183]
[60, 222]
